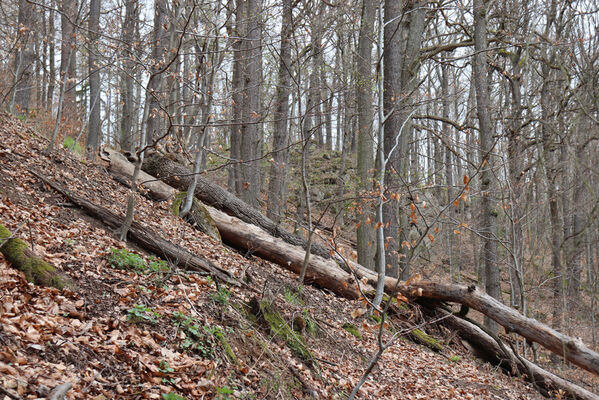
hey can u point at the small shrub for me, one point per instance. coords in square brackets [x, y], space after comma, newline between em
[293, 297]
[124, 259]
[221, 296]
[224, 392]
[198, 338]
[455, 359]
[70, 144]
[141, 313]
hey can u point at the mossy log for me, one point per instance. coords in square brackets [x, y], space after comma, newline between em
[266, 312]
[198, 216]
[36, 270]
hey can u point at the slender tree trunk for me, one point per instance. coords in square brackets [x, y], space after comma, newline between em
[251, 138]
[489, 214]
[237, 98]
[280, 143]
[364, 98]
[404, 29]
[127, 135]
[93, 127]
[51, 58]
[159, 56]
[68, 55]
[24, 59]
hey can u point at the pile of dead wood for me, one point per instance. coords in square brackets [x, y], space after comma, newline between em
[246, 228]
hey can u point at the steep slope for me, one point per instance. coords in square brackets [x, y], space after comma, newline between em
[147, 330]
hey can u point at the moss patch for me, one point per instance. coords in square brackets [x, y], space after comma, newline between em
[420, 337]
[351, 328]
[278, 327]
[198, 216]
[226, 346]
[35, 269]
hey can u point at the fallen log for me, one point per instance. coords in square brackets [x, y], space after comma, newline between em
[120, 166]
[487, 348]
[326, 273]
[145, 237]
[179, 177]
[17, 252]
[573, 350]
[321, 272]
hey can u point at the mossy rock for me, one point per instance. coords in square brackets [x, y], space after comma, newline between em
[36, 270]
[351, 328]
[198, 216]
[420, 337]
[267, 312]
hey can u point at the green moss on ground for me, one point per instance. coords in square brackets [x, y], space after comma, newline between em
[351, 328]
[226, 346]
[281, 329]
[36, 270]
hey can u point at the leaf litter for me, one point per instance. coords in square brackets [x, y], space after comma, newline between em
[88, 336]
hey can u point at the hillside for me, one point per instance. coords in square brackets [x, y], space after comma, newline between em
[147, 331]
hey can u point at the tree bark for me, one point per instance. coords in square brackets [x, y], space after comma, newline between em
[159, 58]
[127, 136]
[489, 214]
[364, 87]
[277, 185]
[93, 128]
[68, 58]
[251, 128]
[24, 59]
[404, 30]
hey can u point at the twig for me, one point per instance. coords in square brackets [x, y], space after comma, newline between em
[10, 394]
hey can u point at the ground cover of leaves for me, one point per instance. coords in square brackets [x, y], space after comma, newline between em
[146, 333]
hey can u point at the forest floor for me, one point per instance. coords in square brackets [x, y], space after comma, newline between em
[153, 332]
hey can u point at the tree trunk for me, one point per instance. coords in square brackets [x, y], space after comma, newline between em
[404, 30]
[237, 88]
[280, 143]
[251, 136]
[364, 98]
[68, 58]
[24, 59]
[159, 56]
[489, 214]
[127, 135]
[93, 128]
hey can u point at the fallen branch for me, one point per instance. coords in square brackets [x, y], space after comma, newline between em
[487, 348]
[145, 238]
